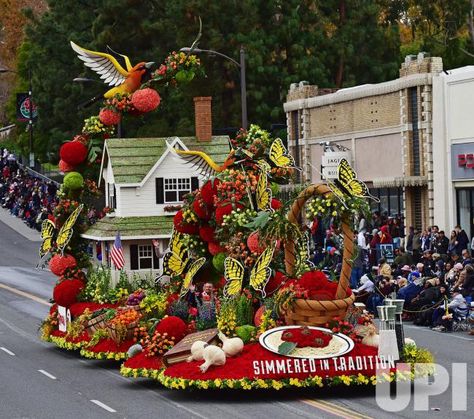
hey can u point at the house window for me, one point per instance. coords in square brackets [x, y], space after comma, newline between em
[173, 190]
[145, 257]
[176, 189]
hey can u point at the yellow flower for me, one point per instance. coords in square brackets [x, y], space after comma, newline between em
[217, 382]
[230, 383]
[261, 383]
[204, 384]
[277, 385]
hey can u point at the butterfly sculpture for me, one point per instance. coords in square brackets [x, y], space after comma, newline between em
[48, 233]
[188, 279]
[176, 259]
[263, 193]
[302, 256]
[347, 185]
[234, 274]
[279, 156]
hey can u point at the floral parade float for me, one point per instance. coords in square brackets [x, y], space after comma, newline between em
[239, 304]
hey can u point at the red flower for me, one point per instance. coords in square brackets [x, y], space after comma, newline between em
[202, 210]
[209, 191]
[207, 233]
[109, 117]
[193, 311]
[275, 282]
[66, 292]
[183, 227]
[73, 152]
[253, 243]
[174, 326]
[215, 248]
[276, 204]
[146, 100]
[59, 264]
[304, 336]
[65, 167]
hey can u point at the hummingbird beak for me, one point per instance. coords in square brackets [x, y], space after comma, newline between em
[149, 64]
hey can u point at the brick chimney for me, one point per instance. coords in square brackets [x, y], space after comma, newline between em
[203, 117]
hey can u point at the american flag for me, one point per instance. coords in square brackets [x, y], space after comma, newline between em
[117, 253]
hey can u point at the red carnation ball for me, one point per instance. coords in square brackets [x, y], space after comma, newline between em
[66, 292]
[59, 264]
[202, 210]
[257, 319]
[276, 204]
[183, 227]
[65, 167]
[73, 153]
[206, 233]
[146, 100]
[252, 243]
[215, 248]
[209, 191]
[109, 117]
[174, 326]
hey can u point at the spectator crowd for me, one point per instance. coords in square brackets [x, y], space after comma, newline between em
[431, 271]
[27, 197]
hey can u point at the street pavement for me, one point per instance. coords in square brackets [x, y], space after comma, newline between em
[39, 380]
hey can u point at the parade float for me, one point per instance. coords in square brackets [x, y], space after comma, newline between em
[239, 304]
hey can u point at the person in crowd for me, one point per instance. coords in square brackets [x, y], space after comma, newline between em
[443, 315]
[384, 269]
[425, 240]
[416, 245]
[401, 257]
[466, 257]
[465, 280]
[409, 241]
[365, 290]
[428, 264]
[462, 241]
[440, 243]
[453, 238]
[384, 234]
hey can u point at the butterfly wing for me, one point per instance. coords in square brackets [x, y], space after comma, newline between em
[47, 233]
[302, 262]
[234, 274]
[279, 155]
[66, 231]
[348, 182]
[263, 193]
[261, 271]
[188, 279]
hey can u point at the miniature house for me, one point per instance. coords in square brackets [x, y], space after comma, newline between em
[145, 184]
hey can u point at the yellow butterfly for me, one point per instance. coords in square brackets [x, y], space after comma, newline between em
[188, 279]
[347, 184]
[263, 193]
[279, 155]
[176, 260]
[234, 274]
[302, 256]
[48, 230]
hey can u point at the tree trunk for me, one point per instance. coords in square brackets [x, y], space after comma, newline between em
[340, 69]
[470, 22]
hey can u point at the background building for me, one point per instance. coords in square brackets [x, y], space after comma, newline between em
[386, 129]
[453, 148]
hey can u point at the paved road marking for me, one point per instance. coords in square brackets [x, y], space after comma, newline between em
[452, 335]
[47, 374]
[334, 409]
[103, 406]
[25, 294]
[7, 351]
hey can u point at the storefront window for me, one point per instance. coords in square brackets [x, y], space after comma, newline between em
[391, 201]
[465, 211]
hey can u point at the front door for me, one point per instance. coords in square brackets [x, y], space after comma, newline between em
[465, 210]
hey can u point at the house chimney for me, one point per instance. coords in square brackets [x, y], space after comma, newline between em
[203, 117]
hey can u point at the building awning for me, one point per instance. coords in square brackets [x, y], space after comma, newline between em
[131, 228]
[400, 181]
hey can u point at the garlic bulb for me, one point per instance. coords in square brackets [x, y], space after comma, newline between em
[231, 346]
[196, 351]
[212, 355]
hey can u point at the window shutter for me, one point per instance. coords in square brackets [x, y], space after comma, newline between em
[134, 257]
[194, 183]
[160, 193]
[156, 261]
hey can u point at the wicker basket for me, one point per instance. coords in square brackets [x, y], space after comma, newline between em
[118, 337]
[96, 323]
[314, 312]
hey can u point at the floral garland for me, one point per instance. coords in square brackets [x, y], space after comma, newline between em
[140, 372]
[117, 356]
[107, 349]
[314, 381]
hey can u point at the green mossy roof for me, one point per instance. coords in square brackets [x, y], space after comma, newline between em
[153, 226]
[133, 158]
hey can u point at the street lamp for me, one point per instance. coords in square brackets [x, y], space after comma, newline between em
[241, 65]
[82, 105]
[30, 113]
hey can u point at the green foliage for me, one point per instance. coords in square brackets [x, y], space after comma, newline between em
[246, 332]
[206, 318]
[179, 308]
[218, 262]
[244, 310]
